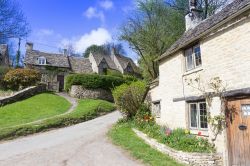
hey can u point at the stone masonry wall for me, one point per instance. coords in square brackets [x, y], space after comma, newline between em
[194, 159]
[23, 94]
[83, 93]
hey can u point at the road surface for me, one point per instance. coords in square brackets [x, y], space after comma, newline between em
[84, 144]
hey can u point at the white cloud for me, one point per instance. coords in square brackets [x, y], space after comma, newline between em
[98, 36]
[92, 12]
[106, 4]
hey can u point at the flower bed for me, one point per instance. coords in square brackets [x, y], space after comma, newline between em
[178, 139]
[195, 159]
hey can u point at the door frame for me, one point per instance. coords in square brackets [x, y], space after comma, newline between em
[61, 82]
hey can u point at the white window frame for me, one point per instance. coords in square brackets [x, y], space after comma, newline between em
[194, 65]
[41, 59]
[198, 116]
[157, 113]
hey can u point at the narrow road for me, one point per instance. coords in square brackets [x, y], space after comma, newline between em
[84, 144]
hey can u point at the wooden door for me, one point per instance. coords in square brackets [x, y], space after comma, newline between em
[60, 79]
[238, 132]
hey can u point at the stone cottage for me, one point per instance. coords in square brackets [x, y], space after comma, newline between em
[54, 67]
[4, 55]
[218, 46]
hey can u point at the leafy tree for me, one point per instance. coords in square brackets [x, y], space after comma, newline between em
[118, 48]
[104, 49]
[94, 49]
[152, 28]
[13, 24]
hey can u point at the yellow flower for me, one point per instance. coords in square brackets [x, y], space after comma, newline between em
[187, 131]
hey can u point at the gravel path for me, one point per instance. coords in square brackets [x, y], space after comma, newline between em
[84, 144]
[72, 100]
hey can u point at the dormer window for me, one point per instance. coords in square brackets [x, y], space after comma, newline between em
[193, 57]
[41, 61]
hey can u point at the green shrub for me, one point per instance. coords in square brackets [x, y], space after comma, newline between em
[92, 81]
[128, 98]
[21, 78]
[130, 78]
[114, 73]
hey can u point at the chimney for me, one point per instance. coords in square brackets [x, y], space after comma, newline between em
[194, 17]
[3, 48]
[113, 52]
[4, 54]
[65, 51]
[29, 46]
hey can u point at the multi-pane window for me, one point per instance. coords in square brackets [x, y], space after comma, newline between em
[42, 61]
[198, 115]
[245, 109]
[193, 57]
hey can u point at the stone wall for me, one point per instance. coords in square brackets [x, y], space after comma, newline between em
[23, 94]
[194, 159]
[83, 93]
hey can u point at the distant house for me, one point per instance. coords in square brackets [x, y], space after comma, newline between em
[63, 64]
[218, 46]
[4, 55]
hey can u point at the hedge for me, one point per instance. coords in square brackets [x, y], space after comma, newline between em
[90, 109]
[93, 81]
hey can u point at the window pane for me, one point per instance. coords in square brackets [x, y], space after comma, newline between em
[197, 53]
[189, 59]
[193, 115]
[203, 115]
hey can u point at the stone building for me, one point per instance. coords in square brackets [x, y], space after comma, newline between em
[55, 67]
[218, 46]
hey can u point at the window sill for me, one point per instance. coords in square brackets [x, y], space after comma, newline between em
[204, 132]
[196, 70]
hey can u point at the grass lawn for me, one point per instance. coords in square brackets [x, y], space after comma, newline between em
[87, 106]
[86, 110]
[122, 135]
[37, 107]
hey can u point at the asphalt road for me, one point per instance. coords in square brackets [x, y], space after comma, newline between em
[84, 144]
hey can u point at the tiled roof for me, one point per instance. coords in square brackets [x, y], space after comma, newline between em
[124, 61]
[80, 65]
[58, 60]
[99, 57]
[206, 25]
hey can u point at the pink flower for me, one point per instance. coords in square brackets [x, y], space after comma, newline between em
[168, 132]
[199, 133]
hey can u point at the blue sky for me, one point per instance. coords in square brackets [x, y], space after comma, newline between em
[56, 23]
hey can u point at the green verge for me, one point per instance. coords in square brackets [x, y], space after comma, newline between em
[86, 110]
[38, 107]
[123, 135]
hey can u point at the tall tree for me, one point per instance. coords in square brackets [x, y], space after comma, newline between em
[13, 24]
[207, 7]
[150, 30]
